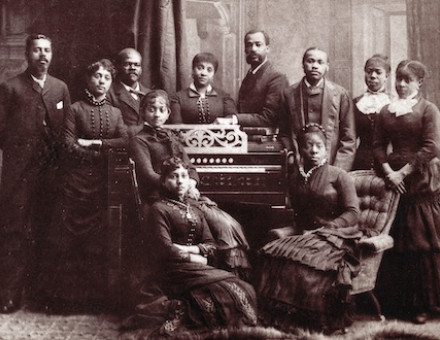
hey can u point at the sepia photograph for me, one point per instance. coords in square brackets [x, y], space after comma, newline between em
[219, 169]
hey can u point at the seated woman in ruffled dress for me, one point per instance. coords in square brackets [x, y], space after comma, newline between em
[184, 252]
[201, 103]
[305, 278]
[154, 144]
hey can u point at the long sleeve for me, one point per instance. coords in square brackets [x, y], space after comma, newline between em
[229, 107]
[75, 151]
[176, 112]
[431, 136]
[121, 135]
[349, 201]
[347, 134]
[140, 151]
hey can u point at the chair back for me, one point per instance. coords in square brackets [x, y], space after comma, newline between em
[378, 207]
[377, 203]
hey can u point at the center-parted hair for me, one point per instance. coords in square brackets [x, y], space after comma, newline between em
[378, 60]
[104, 63]
[151, 96]
[205, 57]
[169, 165]
[311, 128]
[314, 48]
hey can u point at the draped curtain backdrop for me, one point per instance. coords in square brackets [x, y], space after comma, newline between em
[424, 42]
[159, 29]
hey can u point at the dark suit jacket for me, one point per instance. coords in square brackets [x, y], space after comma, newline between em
[259, 97]
[119, 97]
[27, 145]
[337, 118]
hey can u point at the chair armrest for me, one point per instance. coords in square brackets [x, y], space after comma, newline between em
[377, 243]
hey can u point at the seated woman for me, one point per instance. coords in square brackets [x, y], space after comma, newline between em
[74, 275]
[184, 252]
[154, 144]
[201, 103]
[305, 278]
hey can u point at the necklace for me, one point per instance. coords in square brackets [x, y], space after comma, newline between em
[187, 209]
[306, 175]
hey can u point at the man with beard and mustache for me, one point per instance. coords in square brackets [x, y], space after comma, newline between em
[259, 94]
[316, 99]
[126, 91]
[32, 110]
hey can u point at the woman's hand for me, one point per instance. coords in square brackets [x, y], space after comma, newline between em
[198, 259]
[89, 143]
[395, 181]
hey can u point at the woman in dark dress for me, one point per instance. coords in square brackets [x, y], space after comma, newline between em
[76, 268]
[154, 144]
[368, 106]
[412, 125]
[201, 103]
[305, 278]
[184, 252]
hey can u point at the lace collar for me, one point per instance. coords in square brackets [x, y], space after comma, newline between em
[402, 106]
[372, 102]
[91, 99]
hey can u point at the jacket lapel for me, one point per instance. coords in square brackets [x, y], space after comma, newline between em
[329, 108]
[125, 96]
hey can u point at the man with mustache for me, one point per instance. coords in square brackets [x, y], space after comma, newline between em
[259, 94]
[126, 91]
[32, 109]
[316, 99]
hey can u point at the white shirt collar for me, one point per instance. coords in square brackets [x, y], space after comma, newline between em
[192, 86]
[40, 81]
[255, 70]
[128, 88]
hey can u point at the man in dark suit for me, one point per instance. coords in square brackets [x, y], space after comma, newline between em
[32, 109]
[126, 91]
[259, 94]
[316, 99]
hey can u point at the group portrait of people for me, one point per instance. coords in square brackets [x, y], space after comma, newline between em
[197, 268]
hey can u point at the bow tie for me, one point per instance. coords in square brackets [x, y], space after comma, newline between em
[402, 106]
[158, 132]
[139, 93]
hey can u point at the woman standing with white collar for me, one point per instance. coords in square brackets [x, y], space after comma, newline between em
[367, 106]
[201, 103]
[412, 125]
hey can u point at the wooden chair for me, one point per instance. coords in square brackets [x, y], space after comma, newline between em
[378, 206]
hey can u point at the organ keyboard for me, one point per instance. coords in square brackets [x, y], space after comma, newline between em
[229, 171]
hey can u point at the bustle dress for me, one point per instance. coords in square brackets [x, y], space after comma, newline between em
[76, 257]
[305, 278]
[409, 281]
